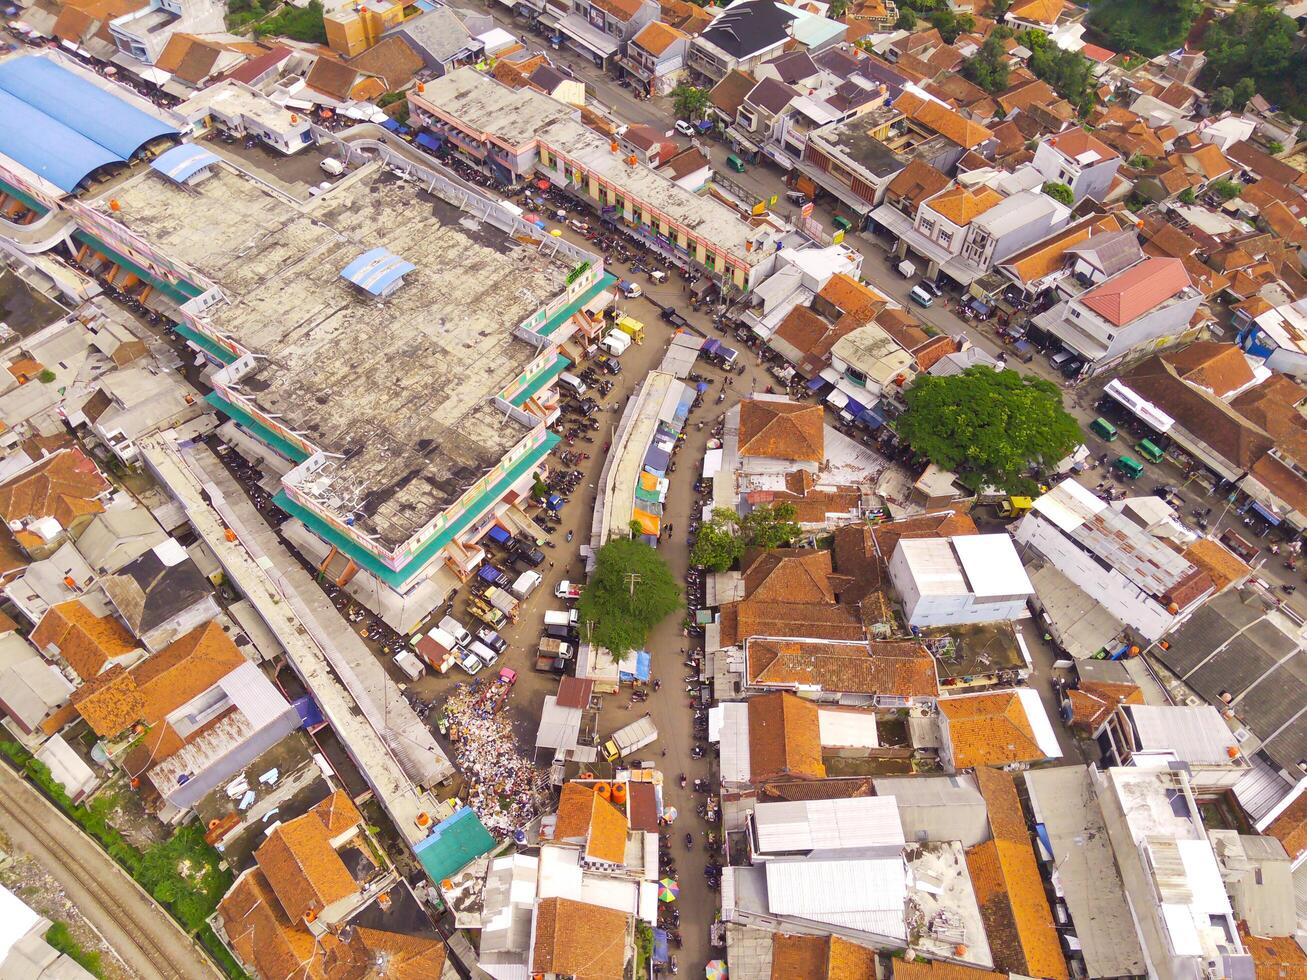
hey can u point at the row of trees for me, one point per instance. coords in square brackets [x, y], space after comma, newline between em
[1067, 72]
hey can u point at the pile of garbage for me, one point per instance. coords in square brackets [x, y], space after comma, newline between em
[503, 786]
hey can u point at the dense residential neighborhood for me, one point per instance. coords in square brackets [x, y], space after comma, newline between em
[631, 488]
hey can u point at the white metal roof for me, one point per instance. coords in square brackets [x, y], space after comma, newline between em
[1195, 733]
[1045, 737]
[992, 565]
[16, 920]
[829, 825]
[934, 566]
[736, 765]
[847, 729]
[867, 894]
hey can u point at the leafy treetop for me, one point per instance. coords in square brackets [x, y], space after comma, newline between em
[988, 426]
[631, 591]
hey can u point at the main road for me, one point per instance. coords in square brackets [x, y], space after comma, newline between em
[151, 944]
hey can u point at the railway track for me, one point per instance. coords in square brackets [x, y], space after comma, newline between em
[16, 806]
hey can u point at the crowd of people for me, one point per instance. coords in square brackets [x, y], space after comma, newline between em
[503, 786]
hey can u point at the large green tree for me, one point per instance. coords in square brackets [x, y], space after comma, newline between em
[1070, 74]
[718, 544]
[1254, 49]
[770, 526]
[988, 426]
[690, 102]
[1150, 27]
[988, 66]
[631, 591]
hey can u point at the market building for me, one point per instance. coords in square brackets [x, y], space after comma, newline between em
[410, 430]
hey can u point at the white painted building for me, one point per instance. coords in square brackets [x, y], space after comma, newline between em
[1133, 575]
[975, 578]
[1172, 880]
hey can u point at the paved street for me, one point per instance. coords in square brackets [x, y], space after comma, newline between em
[145, 937]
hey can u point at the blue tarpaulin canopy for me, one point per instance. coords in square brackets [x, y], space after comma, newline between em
[307, 709]
[637, 667]
[498, 535]
[816, 383]
[855, 408]
[660, 946]
[656, 460]
[1266, 514]
[710, 345]
[391, 124]
[872, 418]
[429, 142]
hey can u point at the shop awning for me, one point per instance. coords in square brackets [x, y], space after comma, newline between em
[591, 38]
[1266, 514]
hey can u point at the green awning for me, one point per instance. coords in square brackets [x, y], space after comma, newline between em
[559, 365]
[379, 568]
[606, 281]
[257, 429]
[180, 293]
[203, 342]
[454, 843]
[27, 199]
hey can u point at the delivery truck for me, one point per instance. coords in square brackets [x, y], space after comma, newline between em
[525, 584]
[503, 600]
[629, 740]
[561, 617]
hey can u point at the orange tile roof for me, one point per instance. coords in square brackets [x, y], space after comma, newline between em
[302, 867]
[1076, 142]
[820, 958]
[579, 940]
[86, 641]
[1037, 11]
[337, 813]
[657, 37]
[264, 937]
[187, 667]
[782, 430]
[784, 737]
[1093, 701]
[943, 120]
[1209, 161]
[1007, 821]
[63, 486]
[1274, 958]
[584, 815]
[935, 970]
[1044, 258]
[1220, 368]
[901, 668]
[850, 295]
[989, 730]
[1222, 566]
[961, 205]
[1014, 908]
[1139, 289]
[914, 183]
[1290, 827]
[110, 702]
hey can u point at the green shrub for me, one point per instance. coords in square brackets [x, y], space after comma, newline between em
[61, 940]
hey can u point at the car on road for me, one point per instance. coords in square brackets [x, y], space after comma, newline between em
[921, 297]
[526, 554]
[931, 286]
[684, 128]
[606, 362]
[670, 316]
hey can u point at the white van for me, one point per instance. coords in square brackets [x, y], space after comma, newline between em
[573, 382]
[616, 343]
[483, 653]
[558, 617]
[332, 166]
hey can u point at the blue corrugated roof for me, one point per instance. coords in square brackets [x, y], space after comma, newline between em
[83, 107]
[181, 163]
[48, 148]
[376, 270]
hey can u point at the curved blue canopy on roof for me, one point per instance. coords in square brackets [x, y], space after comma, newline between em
[64, 97]
[376, 270]
[46, 147]
[183, 162]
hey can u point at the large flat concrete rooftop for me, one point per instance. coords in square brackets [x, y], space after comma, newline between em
[398, 388]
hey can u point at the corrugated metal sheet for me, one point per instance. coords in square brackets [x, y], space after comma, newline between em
[736, 764]
[868, 894]
[254, 694]
[829, 825]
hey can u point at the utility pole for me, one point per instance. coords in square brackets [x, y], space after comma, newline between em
[631, 579]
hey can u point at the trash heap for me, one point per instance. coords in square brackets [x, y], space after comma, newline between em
[504, 788]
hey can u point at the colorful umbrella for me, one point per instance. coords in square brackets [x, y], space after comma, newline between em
[668, 889]
[714, 970]
[669, 814]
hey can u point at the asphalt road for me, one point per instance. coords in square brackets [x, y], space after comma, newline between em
[145, 937]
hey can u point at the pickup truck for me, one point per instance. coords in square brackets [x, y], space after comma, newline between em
[490, 575]
[568, 591]
[556, 648]
[470, 662]
[550, 665]
[670, 316]
[487, 613]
